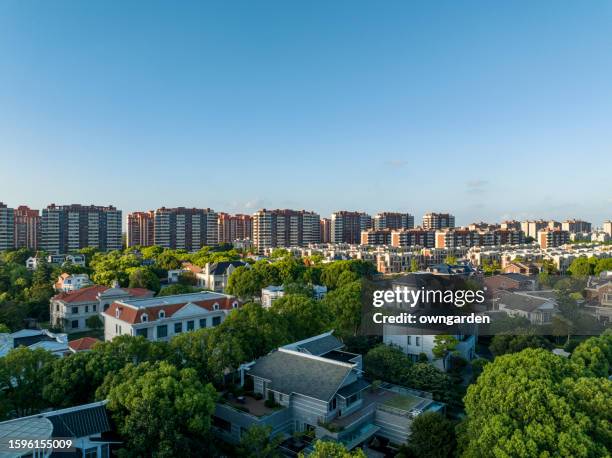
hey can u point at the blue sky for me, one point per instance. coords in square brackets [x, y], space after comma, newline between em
[485, 109]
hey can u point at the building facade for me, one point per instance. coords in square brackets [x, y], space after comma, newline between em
[550, 238]
[161, 318]
[346, 227]
[185, 228]
[234, 227]
[325, 230]
[376, 237]
[68, 228]
[438, 220]
[71, 310]
[391, 220]
[7, 227]
[140, 228]
[285, 228]
[27, 228]
[404, 238]
[576, 226]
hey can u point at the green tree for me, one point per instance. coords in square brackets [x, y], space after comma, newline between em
[143, 277]
[581, 266]
[328, 449]
[506, 343]
[594, 355]
[162, 411]
[387, 363]
[22, 377]
[603, 265]
[432, 436]
[305, 317]
[534, 403]
[175, 289]
[444, 345]
[257, 443]
[69, 382]
[94, 322]
[345, 306]
[244, 282]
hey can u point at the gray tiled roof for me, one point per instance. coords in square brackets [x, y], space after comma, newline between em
[293, 372]
[322, 345]
[521, 302]
[80, 422]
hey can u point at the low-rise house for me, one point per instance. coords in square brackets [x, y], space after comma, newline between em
[67, 282]
[71, 310]
[415, 345]
[315, 387]
[516, 267]
[215, 275]
[598, 294]
[509, 281]
[273, 292]
[61, 259]
[82, 344]
[34, 338]
[85, 425]
[537, 308]
[161, 318]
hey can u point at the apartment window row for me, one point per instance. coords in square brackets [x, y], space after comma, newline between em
[179, 327]
[75, 309]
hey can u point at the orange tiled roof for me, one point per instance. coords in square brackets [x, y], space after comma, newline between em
[85, 343]
[90, 294]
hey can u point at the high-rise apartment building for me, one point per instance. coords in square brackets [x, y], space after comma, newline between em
[285, 228]
[185, 228]
[234, 227]
[68, 228]
[27, 228]
[404, 238]
[390, 220]
[376, 237]
[438, 220]
[346, 227]
[531, 228]
[576, 226]
[607, 227]
[511, 224]
[551, 238]
[7, 227]
[141, 228]
[325, 225]
[469, 237]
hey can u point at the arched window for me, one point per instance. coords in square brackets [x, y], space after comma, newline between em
[235, 305]
[144, 318]
[216, 306]
[162, 314]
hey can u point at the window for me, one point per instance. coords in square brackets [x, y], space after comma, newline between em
[144, 318]
[74, 324]
[202, 322]
[144, 332]
[87, 309]
[162, 314]
[409, 340]
[162, 331]
[94, 307]
[418, 341]
[235, 305]
[178, 328]
[57, 307]
[332, 405]
[104, 451]
[216, 321]
[75, 310]
[216, 306]
[190, 325]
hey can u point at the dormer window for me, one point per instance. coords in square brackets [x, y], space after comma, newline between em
[216, 306]
[162, 314]
[235, 305]
[144, 318]
[117, 312]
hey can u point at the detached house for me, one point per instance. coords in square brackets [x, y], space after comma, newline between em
[315, 387]
[537, 308]
[161, 318]
[215, 275]
[71, 309]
